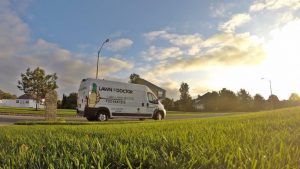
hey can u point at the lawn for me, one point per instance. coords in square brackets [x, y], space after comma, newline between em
[70, 112]
[253, 140]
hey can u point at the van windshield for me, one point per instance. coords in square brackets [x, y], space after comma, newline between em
[151, 98]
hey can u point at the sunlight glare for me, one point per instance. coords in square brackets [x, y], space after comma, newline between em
[283, 57]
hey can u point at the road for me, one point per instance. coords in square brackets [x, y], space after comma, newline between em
[11, 119]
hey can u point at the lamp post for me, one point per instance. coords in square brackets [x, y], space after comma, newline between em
[270, 82]
[271, 99]
[107, 40]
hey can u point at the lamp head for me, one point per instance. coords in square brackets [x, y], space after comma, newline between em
[107, 40]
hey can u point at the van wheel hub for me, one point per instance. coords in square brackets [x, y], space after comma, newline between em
[102, 117]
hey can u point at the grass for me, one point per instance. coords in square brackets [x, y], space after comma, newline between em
[32, 111]
[71, 112]
[255, 140]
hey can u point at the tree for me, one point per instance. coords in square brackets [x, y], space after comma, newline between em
[185, 102]
[63, 101]
[294, 99]
[273, 101]
[245, 100]
[133, 77]
[4, 95]
[228, 100]
[72, 101]
[168, 104]
[69, 102]
[36, 83]
[259, 102]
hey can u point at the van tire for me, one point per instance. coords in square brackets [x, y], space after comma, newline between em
[91, 118]
[102, 116]
[158, 116]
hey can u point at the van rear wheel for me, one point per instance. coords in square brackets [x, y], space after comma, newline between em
[102, 116]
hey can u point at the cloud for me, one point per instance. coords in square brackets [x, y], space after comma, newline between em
[119, 44]
[236, 21]
[13, 32]
[175, 39]
[226, 49]
[19, 51]
[188, 43]
[220, 9]
[274, 4]
[161, 53]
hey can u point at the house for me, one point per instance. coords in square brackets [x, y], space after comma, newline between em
[24, 101]
[158, 91]
[198, 104]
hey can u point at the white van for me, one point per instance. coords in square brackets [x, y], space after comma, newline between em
[99, 100]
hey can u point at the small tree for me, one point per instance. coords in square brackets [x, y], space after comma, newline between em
[69, 102]
[133, 77]
[259, 102]
[36, 83]
[185, 102]
[168, 104]
[4, 95]
[294, 97]
[245, 100]
[273, 101]
[228, 100]
[294, 100]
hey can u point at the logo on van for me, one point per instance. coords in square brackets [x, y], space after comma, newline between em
[115, 90]
[106, 89]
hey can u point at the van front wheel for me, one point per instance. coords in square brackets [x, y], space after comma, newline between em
[158, 116]
[91, 118]
[102, 116]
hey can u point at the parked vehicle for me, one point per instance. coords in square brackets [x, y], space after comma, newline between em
[100, 100]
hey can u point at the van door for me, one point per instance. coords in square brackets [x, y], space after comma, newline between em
[152, 103]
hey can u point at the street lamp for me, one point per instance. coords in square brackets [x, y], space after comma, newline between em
[107, 40]
[270, 85]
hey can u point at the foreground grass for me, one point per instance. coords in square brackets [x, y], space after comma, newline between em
[32, 111]
[255, 140]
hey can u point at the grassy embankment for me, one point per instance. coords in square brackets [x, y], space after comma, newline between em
[256, 140]
[32, 111]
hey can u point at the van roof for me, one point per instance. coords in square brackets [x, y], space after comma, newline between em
[131, 85]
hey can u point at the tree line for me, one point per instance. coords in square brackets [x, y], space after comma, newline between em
[227, 100]
[6, 95]
[36, 83]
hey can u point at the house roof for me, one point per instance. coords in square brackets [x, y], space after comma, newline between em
[149, 84]
[25, 96]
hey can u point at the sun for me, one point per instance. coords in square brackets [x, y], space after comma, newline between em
[283, 57]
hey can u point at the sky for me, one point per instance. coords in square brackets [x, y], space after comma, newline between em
[209, 44]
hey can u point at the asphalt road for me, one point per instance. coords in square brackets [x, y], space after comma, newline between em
[11, 119]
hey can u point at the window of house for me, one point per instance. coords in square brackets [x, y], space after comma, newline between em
[27, 101]
[17, 101]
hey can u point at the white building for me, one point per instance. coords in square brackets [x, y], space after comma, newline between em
[24, 101]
